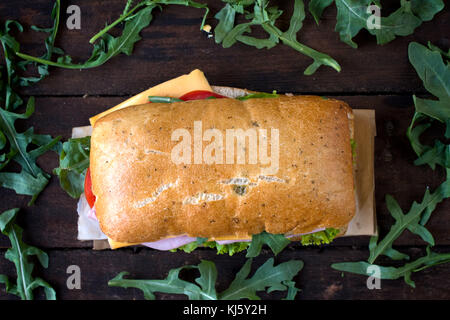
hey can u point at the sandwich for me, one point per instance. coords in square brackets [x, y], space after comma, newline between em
[185, 165]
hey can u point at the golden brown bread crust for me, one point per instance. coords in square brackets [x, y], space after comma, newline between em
[141, 194]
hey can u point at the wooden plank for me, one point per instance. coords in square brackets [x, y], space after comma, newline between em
[51, 223]
[317, 279]
[173, 44]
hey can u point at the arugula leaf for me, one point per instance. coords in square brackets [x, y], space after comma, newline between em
[437, 49]
[352, 17]
[32, 179]
[435, 75]
[266, 278]
[226, 17]
[136, 19]
[23, 148]
[10, 46]
[19, 254]
[49, 46]
[426, 9]
[73, 163]
[436, 78]
[276, 242]
[267, 275]
[411, 221]
[316, 7]
[9, 77]
[172, 284]
[108, 47]
[266, 17]
[392, 273]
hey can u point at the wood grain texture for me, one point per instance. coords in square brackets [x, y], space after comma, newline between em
[317, 279]
[375, 77]
[173, 44]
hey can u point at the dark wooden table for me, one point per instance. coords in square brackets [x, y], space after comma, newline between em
[375, 77]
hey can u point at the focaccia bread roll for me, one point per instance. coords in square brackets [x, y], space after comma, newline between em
[143, 195]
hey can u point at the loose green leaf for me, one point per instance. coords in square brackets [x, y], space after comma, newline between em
[267, 277]
[20, 254]
[207, 279]
[32, 179]
[49, 46]
[73, 163]
[353, 16]
[226, 17]
[136, 19]
[266, 16]
[439, 154]
[316, 7]
[437, 49]
[108, 47]
[23, 148]
[426, 9]
[435, 75]
[392, 273]
[410, 221]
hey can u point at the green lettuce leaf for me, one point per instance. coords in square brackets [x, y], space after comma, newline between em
[267, 278]
[229, 249]
[321, 237]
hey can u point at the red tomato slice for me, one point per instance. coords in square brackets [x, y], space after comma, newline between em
[200, 95]
[88, 189]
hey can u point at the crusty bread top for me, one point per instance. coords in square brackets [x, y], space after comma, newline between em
[142, 195]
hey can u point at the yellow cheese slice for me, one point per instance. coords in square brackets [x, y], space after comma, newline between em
[115, 244]
[174, 88]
